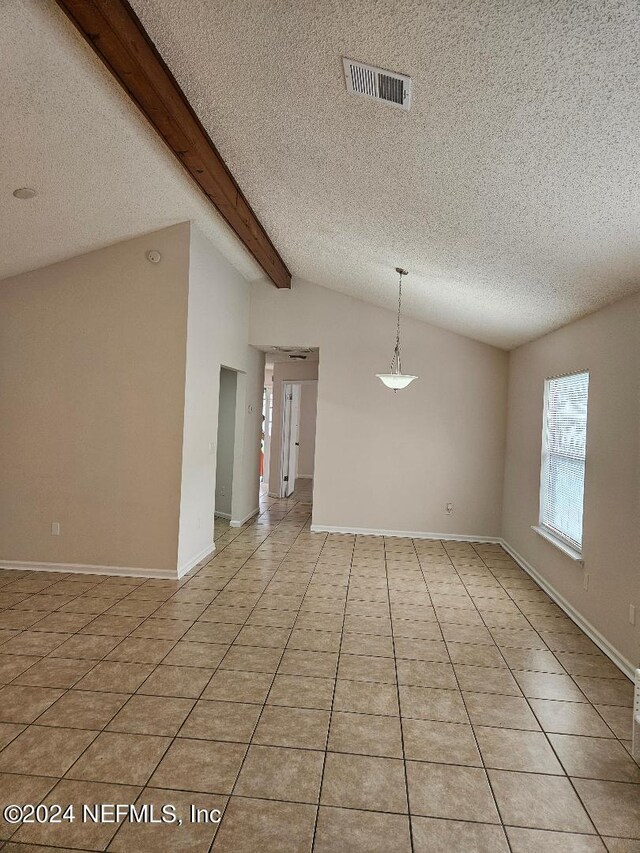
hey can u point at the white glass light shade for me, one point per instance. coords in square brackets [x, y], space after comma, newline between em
[396, 380]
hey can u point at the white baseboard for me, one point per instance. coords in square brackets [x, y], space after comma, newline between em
[603, 644]
[226, 515]
[185, 568]
[236, 523]
[406, 534]
[86, 569]
[304, 476]
[273, 495]
[112, 571]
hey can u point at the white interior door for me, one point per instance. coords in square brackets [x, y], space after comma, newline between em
[294, 441]
[266, 427]
[290, 430]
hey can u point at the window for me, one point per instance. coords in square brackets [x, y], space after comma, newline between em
[564, 434]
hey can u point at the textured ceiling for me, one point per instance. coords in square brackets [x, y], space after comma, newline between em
[102, 175]
[510, 191]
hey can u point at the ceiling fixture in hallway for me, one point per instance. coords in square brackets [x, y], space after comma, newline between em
[396, 379]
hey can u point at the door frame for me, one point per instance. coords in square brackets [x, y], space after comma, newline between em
[284, 382]
[288, 450]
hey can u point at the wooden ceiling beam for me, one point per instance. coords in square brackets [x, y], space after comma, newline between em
[114, 32]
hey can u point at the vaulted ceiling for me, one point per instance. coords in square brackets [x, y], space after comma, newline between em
[69, 131]
[510, 190]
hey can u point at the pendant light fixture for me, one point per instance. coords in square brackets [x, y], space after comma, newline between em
[396, 379]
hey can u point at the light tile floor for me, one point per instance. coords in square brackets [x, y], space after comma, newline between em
[334, 693]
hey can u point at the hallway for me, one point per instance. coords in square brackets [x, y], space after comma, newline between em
[401, 694]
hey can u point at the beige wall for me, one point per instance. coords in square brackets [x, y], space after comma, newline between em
[606, 343]
[226, 441]
[284, 371]
[217, 335]
[246, 477]
[92, 360]
[388, 461]
[307, 435]
[109, 381]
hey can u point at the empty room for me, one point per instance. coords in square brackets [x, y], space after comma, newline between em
[320, 426]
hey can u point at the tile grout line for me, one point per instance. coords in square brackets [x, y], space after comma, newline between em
[335, 686]
[274, 606]
[400, 714]
[196, 699]
[473, 731]
[526, 698]
[59, 779]
[144, 785]
[264, 704]
[180, 584]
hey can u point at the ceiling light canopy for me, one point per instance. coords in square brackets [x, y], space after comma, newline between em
[396, 379]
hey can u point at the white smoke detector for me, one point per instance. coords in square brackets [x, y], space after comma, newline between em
[371, 82]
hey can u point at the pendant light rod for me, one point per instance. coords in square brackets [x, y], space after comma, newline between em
[396, 379]
[396, 360]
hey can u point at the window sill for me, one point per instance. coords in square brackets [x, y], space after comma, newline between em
[570, 552]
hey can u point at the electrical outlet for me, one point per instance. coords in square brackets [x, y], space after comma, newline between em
[449, 508]
[585, 580]
[632, 614]
[212, 447]
[55, 528]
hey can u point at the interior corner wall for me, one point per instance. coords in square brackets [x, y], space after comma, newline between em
[246, 474]
[92, 361]
[307, 436]
[284, 371]
[217, 335]
[607, 343]
[385, 461]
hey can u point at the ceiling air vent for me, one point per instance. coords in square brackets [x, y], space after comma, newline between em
[377, 83]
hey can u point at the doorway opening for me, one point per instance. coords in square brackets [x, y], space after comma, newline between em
[290, 443]
[267, 419]
[289, 421]
[225, 451]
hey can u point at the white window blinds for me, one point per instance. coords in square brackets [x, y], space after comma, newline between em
[564, 436]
